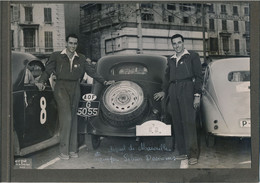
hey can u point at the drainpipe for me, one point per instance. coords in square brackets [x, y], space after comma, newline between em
[139, 29]
[204, 26]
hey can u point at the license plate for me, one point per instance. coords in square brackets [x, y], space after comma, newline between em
[246, 123]
[153, 128]
[88, 109]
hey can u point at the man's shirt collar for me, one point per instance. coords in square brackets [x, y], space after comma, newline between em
[184, 53]
[65, 52]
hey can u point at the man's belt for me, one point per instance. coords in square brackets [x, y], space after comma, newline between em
[67, 80]
[181, 80]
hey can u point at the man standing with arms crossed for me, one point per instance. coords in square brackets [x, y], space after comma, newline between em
[183, 83]
[69, 67]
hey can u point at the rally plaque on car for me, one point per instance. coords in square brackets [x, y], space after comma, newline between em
[88, 107]
[153, 128]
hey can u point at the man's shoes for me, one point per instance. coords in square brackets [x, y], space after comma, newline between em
[64, 156]
[193, 161]
[184, 164]
[181, 157]
[74, 155]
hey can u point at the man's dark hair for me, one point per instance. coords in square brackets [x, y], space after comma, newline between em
[72, 35]
[176, 36]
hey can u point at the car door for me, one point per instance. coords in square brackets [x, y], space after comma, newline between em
[35, 112]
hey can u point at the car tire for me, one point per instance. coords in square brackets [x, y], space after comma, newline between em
[95, 140]
[210, 140]
[170, 142]
[123, 104]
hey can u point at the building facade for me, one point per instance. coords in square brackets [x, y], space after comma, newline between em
[37, 28]
[228, 29]
[127, 28]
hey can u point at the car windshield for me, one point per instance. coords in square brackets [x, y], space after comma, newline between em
[129, 68]
[239, 76]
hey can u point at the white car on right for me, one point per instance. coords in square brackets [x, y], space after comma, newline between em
[225, 101]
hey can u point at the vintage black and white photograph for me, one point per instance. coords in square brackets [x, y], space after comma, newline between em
[131, 85]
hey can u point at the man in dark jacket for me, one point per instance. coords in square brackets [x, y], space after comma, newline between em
[183, 83]
[69, 67]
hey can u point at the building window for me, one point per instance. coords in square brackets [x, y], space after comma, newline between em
[235, 10]
[28, 14]
[237, 49]
[29, 39]
[12, 13]
[248, 45]
[211, 8]
[12, 38]
[211, 24]
[47, 15]
[87, 12]
[247, 26]
[223, 9]
[213, 44]
[147, 5]
[185, 20]
[147, 17]
[225, 44]
[198, 21]
[99, 7]
[224, 25]
[170, 18]
[185, 7]
[171, 7]
[246, 9]
[236, 27]
[48, 41]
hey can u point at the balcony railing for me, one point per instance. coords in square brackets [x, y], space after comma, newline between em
[38, 50]
[29, 50]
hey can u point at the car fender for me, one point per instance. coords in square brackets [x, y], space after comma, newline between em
[210, 113]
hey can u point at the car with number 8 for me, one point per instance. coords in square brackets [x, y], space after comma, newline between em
[35, 124]
[225, 102]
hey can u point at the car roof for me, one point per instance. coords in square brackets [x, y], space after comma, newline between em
[133, 55]
[22, 56]
[229, 61]
[224, 66]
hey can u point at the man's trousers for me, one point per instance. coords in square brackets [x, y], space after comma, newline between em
[67, 94]
[184, 117]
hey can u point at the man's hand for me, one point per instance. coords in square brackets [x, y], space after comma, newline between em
[196, 102]
[109, 82]
[88, 60]
[159, 95]
[40, 86]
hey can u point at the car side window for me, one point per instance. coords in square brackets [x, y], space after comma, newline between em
[33, 72]
[239, 76]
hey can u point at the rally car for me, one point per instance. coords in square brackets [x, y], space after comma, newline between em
[127, 108]
[35, 123]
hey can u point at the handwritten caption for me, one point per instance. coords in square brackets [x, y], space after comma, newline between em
[130, 153]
